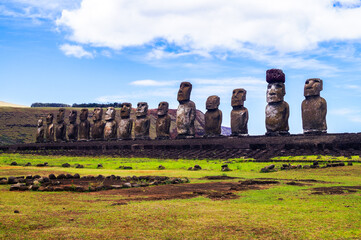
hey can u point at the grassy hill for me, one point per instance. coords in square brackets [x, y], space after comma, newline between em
[18, 125]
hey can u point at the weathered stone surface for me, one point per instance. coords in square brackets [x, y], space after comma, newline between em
[65, 165]
[142, 122]
[13, 163]
[213, 117]
[49, 134]
[84, 126]
[99, 165]
[239, 114]
[186, 112]
[73, 126]
[125, 123]
[60, 132]
[97, 130]
[163, 121]
[110, 128]
[40, 131]
[314, 108]
[127, 185]
[161, 167]
[277, 110]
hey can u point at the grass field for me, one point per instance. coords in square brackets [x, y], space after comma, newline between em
[279, 211]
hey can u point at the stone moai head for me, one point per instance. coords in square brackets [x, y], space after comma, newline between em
[142, 109]
[97, 114]
[184, 92]
[110, 114]
[212, 102]
[276, 85]
[40, 122]
[162, 108]
[72, 116]
[125, 110]
[238, 97]
[83, 114]
[49, 118]
[313, 87]
[60, 116]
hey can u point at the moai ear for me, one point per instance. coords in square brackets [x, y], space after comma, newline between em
[321, 85]
[244, 95]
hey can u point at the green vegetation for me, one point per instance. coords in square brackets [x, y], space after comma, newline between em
[277, 211]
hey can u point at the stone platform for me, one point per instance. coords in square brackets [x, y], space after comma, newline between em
[261, 148]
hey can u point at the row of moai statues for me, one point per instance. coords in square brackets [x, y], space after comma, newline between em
[109, 129]
[314, 109]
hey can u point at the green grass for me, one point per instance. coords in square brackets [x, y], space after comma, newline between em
[279, 212]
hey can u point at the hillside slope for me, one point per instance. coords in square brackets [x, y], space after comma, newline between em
[18, 125]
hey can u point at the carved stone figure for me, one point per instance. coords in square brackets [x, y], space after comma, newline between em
[125, 123]
[186, 112]
[84, 125]
[60, 131]
[213, 117]
[40, 131]
[163, 121]
[97, 130]
[142, 122]
[73, 126]
[239, 114]
[277, 110]
[314, 108]
[49, 134]
[110, 129]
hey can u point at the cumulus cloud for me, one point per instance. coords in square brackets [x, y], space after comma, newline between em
[75, 51]
[213, 25]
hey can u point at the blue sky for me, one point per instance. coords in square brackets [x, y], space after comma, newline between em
[140, 50]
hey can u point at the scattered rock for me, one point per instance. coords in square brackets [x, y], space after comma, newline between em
[127, 185]
[52, 176]
[190, 169]
[12, 180]
[16, 211]
[76, 175]
[125, 167]
[28, 164]
[61, 176]
[161, 167]
[349, 164]
[14, 164]
[197, 167]
[66, 165]
[69, 176]
[3, 181]
[270, 168]
[79, 166]
[99, 165]
[40, 165]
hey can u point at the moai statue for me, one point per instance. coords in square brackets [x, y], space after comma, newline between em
[277, 110]
[60, 131]
[73, 126]
[40, 131]
[142, 122]
[239, 114]
[186, 112]
[213, 117]
[314, 108]
[110, 129]
[97, 130]
[49, 134]
[163, 121]
[125, 123]
[84, 125]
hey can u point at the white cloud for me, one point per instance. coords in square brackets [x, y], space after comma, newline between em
[213, 25]
[75, 51]
[153, 83]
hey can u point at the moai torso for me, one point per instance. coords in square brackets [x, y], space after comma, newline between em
[73, 126]
[186, 112]
[213, 117]
[314, 108]
[60, 132]
[277, 118]
[277, 110]
[97, 130]
[142, 122]
[49, 133]
[110, 128]
[125, 123]
[239, 120]
[162, 124]
[40, 132]
[84, 125]
[239, 114]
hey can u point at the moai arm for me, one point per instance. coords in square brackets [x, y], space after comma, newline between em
[220, 121]
[167, 124]
[147, 125]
